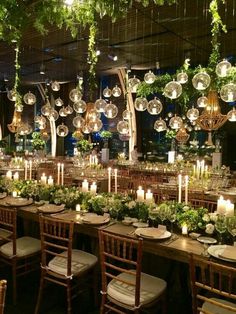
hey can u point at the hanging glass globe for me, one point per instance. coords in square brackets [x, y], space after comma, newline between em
[106, 92]
[11, 95]
[100, 105]
[201, 80]
[192, 114]
[18, 107]
[45, 135]
[140, 104]
[170, 114]
[127, 115]
[189, 128]
[123, 127]
[173, 90]
[231, 115]
[24, 129]
[160, 125]
[46, 109]
[68, 109]
[175, 122]
[182, 77]
[62, 112]
[228, 92]
[78, 122]
[75, 95]
[96, 125]
[111, 111]
[116, 91]
[80, 106]
[42, 126]
[59, 102]
[86, 129]
[149, 77]
[223, 68]
[62, 130]
[93, 115]
[133, 84]
[53, 115]
[29, 98]
[154, 106]
[202, 102]
[38, 119]
[55, 86]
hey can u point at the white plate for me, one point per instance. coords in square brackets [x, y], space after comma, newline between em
[95, 219]
[51, 208]
[19, 201]
[140, 224]
[152, 233]
[207, 240]
[215, 250]
[3, 195]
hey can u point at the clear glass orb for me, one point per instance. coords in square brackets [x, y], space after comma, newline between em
[127, 115]
[154, 106]
[93, 115]
[80, 106]
[96, 125]
[123, 127]
[149, 77]
[59, 102]
[192, 114]
[160, 125]
[175, 122]
[197, 128]
[69, 109]
[62, 130]
[193, 122]
[166, 118]
[231, 115]
[182, 77]
[170, 114]
[78, 122]
[189, 128]
[86, 129]
[53, 115]
[116, 91]
[183, 117]
[46, 109]
[173, 90]
[228, 92]
[202, 102]
[39, 119]
[11, 95]
[55, 86]
[100, 105]
[29, 98]
[62, 112]
[42, 126]
[75, 94]
[223, 68]
[18, 107]
[201, 80]
[25, 129]
[45, 136]
[111, 111]
[133, 84]
[107, 92]
[140, 104]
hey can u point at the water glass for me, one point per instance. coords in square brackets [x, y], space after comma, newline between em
[221, 226]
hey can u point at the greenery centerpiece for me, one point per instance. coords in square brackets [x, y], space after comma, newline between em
[38, 143]
[84, 146]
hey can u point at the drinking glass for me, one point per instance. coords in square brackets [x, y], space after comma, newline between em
[231, 226]
[153, 214]
[171, 216]
[162, 212]
[221, 226]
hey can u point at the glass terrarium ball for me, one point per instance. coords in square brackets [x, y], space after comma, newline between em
[133, 84]
[223, 68]
[80, 106]
[149, 77]
[201, 80]
[231, 115]
[154, 106]
[62, 112]
[127, 115]
[42, 126]
[62, 130]
[175, 122]
[78, 122]
[202, 102]
[46, 109]
[86, 129]
[228, 92]
[55, 86]
[29, 98]
[93, 115]
[173, 90]
[75, 95]
[11, 95]
[100, 105]
[123, 127]
[182, 77]
[69, 109]
[53, 115]
[140, 104]
[95, 125]
[192, 114]
[116, 91]
[39, 119]
[107, 92]
[59, 102]
[111, 111]
[170, 114]
[25, 129]
[160, 125]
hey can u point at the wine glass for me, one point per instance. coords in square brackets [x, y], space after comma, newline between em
[231, 226]
[171, 216]
[162, 212]
[153, 214]
[221, 226]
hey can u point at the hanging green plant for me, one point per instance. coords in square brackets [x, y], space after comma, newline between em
[18, 101]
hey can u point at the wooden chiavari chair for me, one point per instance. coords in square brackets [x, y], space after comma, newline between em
[3, 289]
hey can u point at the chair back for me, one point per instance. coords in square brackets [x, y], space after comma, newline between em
[56, 238]
[120, 255]
[210, 282]
[8, 226]
[3, 289]
[210, 205]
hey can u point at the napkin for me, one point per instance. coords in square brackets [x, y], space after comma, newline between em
[94, 219]
[229, 252]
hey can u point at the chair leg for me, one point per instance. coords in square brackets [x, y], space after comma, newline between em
[68, 292]
[40, 293]
[102, 308]
[95, 287]
[164, 304]
[14, 281]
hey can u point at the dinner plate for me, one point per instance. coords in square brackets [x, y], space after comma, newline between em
[19, 201]
[216, 250]
[3, 195]
[51, 208]
[207, 240]
[95, 219]
[140, 224]
[152, 233]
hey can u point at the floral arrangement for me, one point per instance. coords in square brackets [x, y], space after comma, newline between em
[106, 134]
[38, 143]
[84, 146]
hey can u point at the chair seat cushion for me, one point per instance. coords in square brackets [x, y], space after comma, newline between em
[150, 289]
[81, 261]
[24, 246]
[5, 233]
[215, 309]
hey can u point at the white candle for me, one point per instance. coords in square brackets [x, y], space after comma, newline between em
[221, 206]
[85, 186]
[26, 168]
[140, 194]
[186, 189]
[50, 180]
[30, 169]
[16, 176]
[149, 196]
[58, 173]
[180, 188]
[229, 209]
[14, 193]
[184, 229]
[77, 207]
[194, 170]
[115, 172]
[93, 188]
[198, 169]
[62, 174]
[202, 168]
[109, 180]
[9, 175]
[43, 179]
